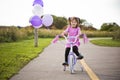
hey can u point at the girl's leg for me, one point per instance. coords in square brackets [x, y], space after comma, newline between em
[75, 50]
[67, 50]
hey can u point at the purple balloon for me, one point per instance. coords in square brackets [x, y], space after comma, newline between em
[40, 2]
[36, 21]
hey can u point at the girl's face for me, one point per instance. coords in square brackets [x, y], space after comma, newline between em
[74, 23]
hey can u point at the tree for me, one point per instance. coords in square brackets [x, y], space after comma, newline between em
[114, 27]
[105, 27]
[116, 35]
[86, 26]
[109, 26]
[59, 22]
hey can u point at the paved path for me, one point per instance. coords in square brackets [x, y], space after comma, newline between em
[103, 61]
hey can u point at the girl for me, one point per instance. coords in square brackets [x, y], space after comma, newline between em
[72, 30]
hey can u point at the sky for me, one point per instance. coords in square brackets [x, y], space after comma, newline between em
[95, 12]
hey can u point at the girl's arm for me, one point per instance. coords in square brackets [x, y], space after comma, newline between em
[65, 32]
[79, 33]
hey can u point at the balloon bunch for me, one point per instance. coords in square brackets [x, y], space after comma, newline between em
[38, 19]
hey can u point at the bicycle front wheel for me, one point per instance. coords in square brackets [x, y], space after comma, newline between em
[71, 63]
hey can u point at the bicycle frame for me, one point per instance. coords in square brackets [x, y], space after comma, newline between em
[71, 57]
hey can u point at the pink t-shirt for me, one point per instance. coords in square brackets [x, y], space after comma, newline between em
[73, 32]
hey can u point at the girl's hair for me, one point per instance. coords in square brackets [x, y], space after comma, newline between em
[74, 18]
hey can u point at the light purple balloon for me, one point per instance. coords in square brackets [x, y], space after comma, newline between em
[40, 2]
[36, 21]
[47, 20]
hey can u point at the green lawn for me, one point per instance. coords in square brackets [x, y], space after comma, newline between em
[106, 42]
[15, 55]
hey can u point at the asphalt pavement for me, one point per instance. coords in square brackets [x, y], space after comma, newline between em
[103, 61]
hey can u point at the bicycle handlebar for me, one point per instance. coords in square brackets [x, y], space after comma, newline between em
[72, 37]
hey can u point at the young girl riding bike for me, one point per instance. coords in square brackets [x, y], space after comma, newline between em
[73, 29]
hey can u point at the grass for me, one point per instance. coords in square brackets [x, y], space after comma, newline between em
[15, 55]
[106, 42]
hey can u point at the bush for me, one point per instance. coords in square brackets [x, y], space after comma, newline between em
[116, 35]
[46, 33]
[8, 34]
[98, 33]
[11, 34]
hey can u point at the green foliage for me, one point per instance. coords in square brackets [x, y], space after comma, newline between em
[13, 56]
[104, 27]
[89, 28]
[59, 22]
[45, 33]
[82, 21]
[116, 35]
[109, 27]
[11, 34]
[98, 33]
[8, 34]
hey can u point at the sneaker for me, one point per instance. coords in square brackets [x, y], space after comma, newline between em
[80, 57]
[65, 64]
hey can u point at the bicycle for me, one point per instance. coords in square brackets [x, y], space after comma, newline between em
[71, 57]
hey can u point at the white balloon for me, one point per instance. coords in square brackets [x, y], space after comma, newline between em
[47, 20]
[37, 10]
